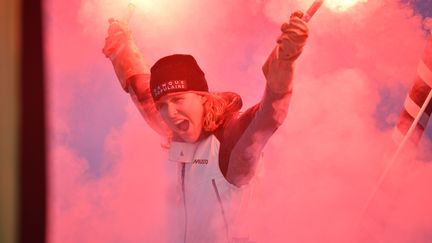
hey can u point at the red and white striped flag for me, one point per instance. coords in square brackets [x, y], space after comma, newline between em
[418, 94]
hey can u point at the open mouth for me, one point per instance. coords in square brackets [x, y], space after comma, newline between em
[183, 125]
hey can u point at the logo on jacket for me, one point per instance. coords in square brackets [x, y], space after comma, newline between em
[201, 161]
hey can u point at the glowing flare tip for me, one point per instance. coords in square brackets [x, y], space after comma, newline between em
[342, 5]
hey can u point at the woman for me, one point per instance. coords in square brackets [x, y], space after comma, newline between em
[215, 147]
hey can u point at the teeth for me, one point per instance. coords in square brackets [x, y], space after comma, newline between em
[178, 122]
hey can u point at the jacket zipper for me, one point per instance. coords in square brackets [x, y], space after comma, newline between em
[183, 172]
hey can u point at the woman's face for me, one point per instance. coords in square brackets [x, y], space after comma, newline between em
[183, 113]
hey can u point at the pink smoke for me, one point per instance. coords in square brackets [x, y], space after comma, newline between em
[319, 166]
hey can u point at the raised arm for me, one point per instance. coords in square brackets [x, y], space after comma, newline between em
[133, 72]
[253, 128]
[279, 67]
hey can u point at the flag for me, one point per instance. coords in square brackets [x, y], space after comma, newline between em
[415, 100]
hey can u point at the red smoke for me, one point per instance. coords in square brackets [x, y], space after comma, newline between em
[318, 168]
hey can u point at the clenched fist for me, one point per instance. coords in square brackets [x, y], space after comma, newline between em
[293, 37]
[125, 56]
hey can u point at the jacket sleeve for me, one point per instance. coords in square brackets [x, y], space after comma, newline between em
[261, 121]
[132, 71]
[245, 135]
[139, 91]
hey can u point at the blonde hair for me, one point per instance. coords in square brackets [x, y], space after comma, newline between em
[217, 107]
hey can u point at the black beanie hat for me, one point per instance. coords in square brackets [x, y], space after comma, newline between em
[176, 73]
